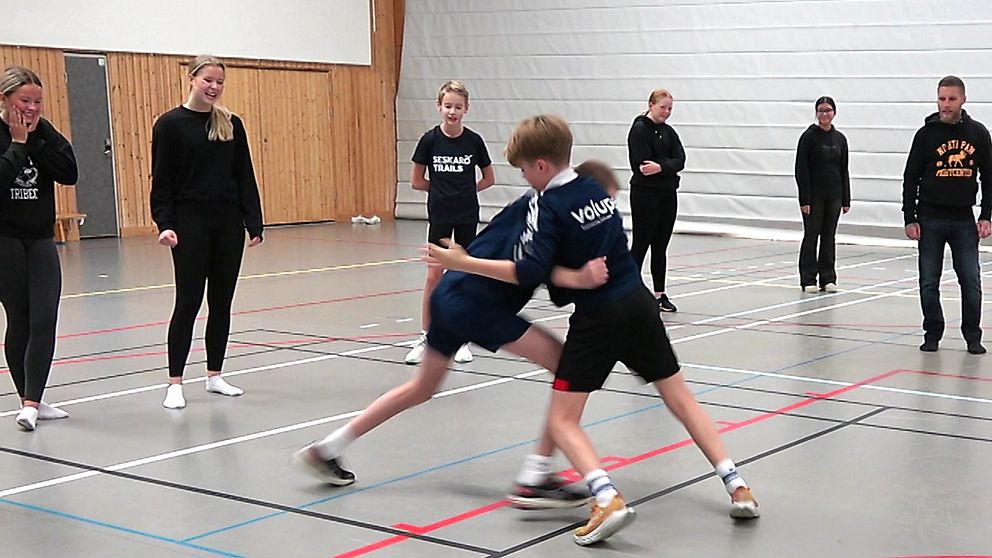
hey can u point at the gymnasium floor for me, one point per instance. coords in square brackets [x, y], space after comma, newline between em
[856, 444]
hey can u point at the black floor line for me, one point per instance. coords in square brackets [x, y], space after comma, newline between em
[654, 496]
[251, 501]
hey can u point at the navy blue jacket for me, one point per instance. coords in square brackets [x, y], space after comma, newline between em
[570, 225]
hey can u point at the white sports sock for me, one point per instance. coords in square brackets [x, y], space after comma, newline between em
[601, 487]
[217, 384]
[534, 470]
[732, 480]
[27, 417]
[334, 445]
[174, 397]
[47, 412]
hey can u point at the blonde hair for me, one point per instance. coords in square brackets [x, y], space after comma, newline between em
[219, 127]
[600, 172]
[452, 86]
[544, 136]
[658, 94]
[14, 77]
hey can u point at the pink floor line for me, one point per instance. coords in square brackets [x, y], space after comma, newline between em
[289, 342]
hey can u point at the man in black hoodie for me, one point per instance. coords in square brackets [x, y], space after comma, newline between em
[939, 188]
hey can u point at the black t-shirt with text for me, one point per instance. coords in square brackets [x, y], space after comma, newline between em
[452, 198]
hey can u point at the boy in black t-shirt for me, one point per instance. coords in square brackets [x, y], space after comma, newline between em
[448, 153]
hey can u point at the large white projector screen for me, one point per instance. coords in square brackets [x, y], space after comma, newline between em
[326, 31]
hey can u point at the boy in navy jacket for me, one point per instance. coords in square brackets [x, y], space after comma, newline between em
[575, 221]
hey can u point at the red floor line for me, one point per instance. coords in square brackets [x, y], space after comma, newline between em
[615, 463]
[290, 342]
[243, 312]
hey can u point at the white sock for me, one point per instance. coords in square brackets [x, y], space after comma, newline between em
[732, 480]
[217, 384]
[534, 470]
[334, 445]
[47, 412]
[174, 397]
[27, 417]
[601, 487]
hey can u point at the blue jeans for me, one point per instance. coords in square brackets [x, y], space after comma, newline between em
[962, 236]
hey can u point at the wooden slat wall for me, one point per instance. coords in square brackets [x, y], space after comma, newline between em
[50, 66]
[322, 136]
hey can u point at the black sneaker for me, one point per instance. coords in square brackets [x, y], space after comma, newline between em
[554, 493]
[976, 348]
[929, 345]
[328, 471]
[666, 305]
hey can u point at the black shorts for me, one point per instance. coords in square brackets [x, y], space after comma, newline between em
[463, 234]
[629, 330]
[458, 318]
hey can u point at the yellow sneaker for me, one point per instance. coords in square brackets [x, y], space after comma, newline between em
[604, 522]
[743, 505]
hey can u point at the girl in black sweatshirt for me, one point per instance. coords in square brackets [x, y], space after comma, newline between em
[204, 196]
[656, 159]
[33, 157]
[824, 192]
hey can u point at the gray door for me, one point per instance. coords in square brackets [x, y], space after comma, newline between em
[89, 112]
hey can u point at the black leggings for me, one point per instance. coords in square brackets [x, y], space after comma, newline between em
[209, 253]
[30, 286]
[652, 214]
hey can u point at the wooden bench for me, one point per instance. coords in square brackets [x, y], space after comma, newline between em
[63, 225]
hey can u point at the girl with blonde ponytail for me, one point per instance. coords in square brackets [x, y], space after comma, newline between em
[204, 196]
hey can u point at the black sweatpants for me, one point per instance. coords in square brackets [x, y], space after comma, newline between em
[30, 286]
[652, 214]
[211, 244]
[819, 227]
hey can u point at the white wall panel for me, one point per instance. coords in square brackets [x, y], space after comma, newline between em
[331, 31]
[744, 75]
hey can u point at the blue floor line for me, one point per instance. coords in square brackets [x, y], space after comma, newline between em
[531, 441]
[120, 528]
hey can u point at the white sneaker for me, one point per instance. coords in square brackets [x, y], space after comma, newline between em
[464, 355]
[47, 412]
[174, 397]
[217, 384]
[810, 289]
[416, 354]
[830, 288]
[27, 418]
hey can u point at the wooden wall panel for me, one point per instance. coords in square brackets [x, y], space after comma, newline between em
[322, 136]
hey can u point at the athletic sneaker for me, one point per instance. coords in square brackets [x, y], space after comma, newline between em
[464, 355]
[665, 305]
[809, 288]
[416, 354]
[327, 470]
[830, 288]
[743, 504]
[554, 493]
[604, 522]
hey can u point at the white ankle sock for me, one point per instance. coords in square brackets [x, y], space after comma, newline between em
[47, 412]
[334, 445]
[727, 471]
[27, 418]
[601, 487]
[217, 384]
[174, 397]
[534, 470]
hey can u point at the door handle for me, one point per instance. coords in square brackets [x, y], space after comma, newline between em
[107, 151]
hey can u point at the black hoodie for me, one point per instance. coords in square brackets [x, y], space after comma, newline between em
[941, 177]
[28, 173]
[648, 141]
[821, 166]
